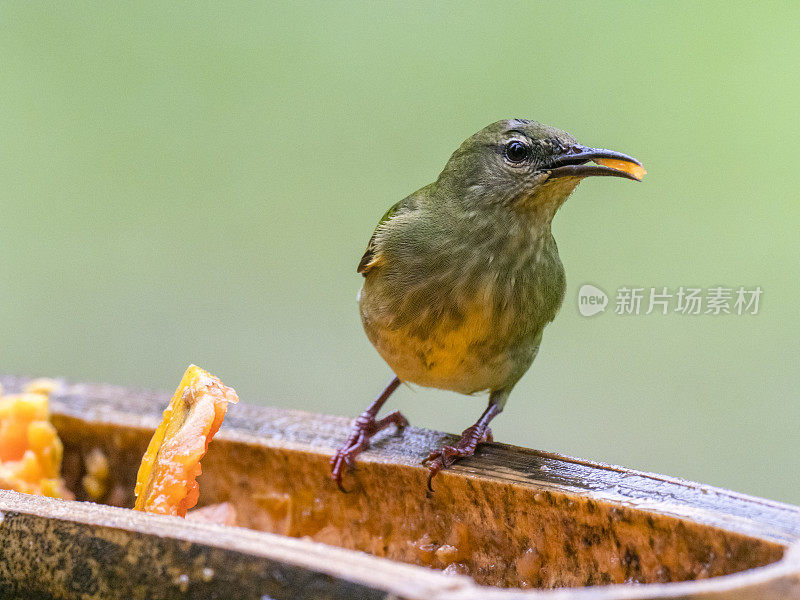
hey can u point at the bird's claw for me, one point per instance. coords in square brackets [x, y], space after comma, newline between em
[364, 427]
[357, 441]
[338, 461]
[447, 455]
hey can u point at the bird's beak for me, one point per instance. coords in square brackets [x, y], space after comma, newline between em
[572, 163]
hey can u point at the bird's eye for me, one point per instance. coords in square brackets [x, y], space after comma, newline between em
[516, 151]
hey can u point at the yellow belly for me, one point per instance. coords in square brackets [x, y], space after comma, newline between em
[448, 357]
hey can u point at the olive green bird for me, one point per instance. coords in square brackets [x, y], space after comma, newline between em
[462, 276]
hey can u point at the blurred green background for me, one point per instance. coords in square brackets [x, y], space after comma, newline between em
[196, 182]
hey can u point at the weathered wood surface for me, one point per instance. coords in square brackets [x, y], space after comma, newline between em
[508, 518]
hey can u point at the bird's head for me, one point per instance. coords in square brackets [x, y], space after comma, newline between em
[528, 166]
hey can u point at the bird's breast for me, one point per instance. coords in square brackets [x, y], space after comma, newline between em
[467, 322]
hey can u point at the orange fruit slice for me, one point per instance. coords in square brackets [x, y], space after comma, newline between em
[623, 165]
[166, 483]
[30, 449]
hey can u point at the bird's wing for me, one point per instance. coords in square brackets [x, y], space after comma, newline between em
[369, 258]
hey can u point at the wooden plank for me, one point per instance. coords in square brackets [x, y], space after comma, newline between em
[509, 517]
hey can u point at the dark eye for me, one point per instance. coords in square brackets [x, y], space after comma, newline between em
[516, 151]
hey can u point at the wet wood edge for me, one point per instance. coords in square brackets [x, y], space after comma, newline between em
[320, 434]
[391, 580]
[314, 559]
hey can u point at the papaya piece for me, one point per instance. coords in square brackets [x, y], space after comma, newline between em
[30, 449]
[95, 482]
[630, 168]
[166, 483]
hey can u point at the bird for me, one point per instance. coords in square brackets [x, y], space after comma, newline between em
[461, 278]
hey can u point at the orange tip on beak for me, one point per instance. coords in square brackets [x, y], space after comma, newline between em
[632, 169]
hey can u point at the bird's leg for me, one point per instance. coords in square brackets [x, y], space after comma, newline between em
[470, 438]
[364, 427]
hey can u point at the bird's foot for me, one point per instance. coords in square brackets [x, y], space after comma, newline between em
[364, 427]
[441, 459]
